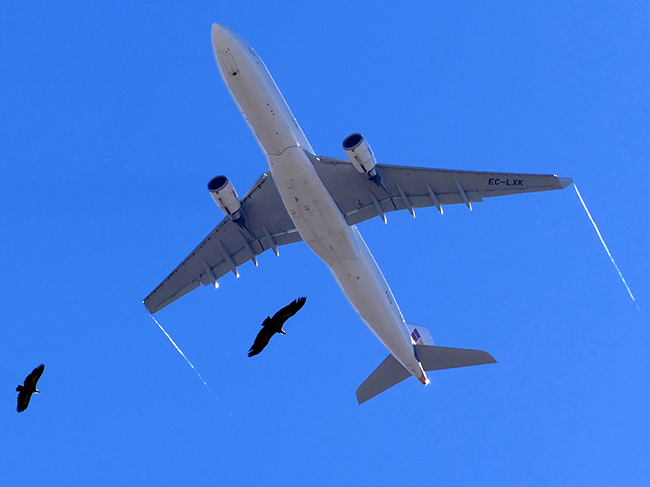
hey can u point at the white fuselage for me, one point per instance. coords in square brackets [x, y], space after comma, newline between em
[314, 213]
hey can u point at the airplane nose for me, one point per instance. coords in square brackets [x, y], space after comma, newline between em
[219, 35]
[223, 37]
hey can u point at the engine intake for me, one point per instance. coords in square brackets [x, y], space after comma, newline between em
[360, 154]
[224, 195]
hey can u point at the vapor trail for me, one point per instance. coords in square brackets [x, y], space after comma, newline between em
[629, 291]
[181, 352]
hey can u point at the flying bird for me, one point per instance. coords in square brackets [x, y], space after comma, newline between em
[271, 326]
[26, 390]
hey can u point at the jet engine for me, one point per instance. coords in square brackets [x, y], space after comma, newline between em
[360, 154]
[225, 196]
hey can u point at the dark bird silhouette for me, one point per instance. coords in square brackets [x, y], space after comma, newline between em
[271, 326]
[26, 390]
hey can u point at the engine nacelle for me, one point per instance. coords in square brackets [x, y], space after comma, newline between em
[360, 154]
[225, 196]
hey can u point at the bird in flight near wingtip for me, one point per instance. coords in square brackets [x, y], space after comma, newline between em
[271, 326]
[28, 388]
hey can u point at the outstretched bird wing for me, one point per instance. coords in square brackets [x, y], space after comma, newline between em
[289, 310]
[271, 326]
[23, 400]
[32, 379]
[261, 340]
[28, 388]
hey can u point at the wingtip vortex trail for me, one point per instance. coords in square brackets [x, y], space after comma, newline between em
[629, 291]
[184, 356]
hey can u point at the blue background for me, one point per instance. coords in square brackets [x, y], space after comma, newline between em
[113, 118]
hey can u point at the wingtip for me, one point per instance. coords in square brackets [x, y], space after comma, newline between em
[360, 398]
[489, 359]
[565, 182]
[151, 309]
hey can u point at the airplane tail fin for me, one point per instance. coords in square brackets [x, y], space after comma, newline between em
[432, 357]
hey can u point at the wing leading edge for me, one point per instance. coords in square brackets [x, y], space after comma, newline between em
[407, 188]
[228, 246]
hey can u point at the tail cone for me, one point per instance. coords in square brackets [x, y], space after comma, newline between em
[423, 378]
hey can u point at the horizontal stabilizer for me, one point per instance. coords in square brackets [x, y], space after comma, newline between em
[432, 357]
[389, 373]
[438, 358]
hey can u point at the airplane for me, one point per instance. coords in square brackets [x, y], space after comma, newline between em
[320, 200]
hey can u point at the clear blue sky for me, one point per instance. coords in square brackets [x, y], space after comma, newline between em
[113, 118]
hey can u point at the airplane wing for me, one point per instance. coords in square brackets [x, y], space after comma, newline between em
[407, 188]
[267, 225]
